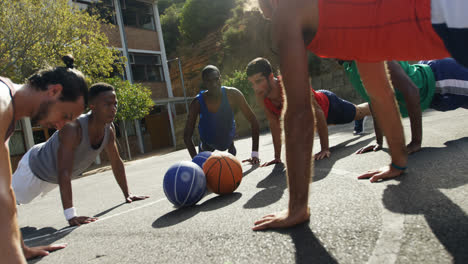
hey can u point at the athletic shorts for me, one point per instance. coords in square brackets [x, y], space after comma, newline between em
[340, 111]
[26, 185]
[450, 21]
[205, 147]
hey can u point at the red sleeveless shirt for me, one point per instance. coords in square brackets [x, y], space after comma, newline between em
[321, 99]
[376, 30]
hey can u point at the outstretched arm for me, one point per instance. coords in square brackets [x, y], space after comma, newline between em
[242, 104]
[375, 79]
[275, 128]
[322, 129]
[194, 111]
[378, 137]
[10, 248]
[410, 91]
[118, 168]
[69, 137]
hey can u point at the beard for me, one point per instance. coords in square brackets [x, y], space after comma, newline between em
[42, 113]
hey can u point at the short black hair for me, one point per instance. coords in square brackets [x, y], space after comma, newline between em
[72, 80]
[259, 65]
[98, 88]
[208, 69]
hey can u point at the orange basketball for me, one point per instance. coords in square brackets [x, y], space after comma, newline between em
[223, 173]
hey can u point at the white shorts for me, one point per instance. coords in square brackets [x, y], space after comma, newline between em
[26, 185]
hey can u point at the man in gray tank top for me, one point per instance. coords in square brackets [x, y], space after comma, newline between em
[51, 97]
[70, 151]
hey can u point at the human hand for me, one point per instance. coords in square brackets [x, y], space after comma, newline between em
[282, 219]
[322, 154]
[369, 148]
[41, 251]
[81, 220]
[383, 173]
[133, 198]
[413, 147]
[275, 161]
[253, 160]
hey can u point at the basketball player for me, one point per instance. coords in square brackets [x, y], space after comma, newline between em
[69, 152]
[51, 98]
[369, 32]
[216, 107]
[329, 108]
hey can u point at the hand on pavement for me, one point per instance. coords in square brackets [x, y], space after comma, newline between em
[282, 220]
[322, 154]
[383, 173]
[81, 220]
[413, 147]
[369, 148]
[41, 251]
[133, 198]
[253, 160]
[275, 161]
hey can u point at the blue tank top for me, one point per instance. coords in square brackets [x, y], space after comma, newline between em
[216, 129]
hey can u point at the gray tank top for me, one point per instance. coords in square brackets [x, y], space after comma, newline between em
[43, 157]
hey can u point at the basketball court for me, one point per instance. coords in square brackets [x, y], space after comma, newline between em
[420, 217]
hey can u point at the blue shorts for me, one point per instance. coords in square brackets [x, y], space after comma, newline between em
[448, 102]
[340, 111]
[205, 147]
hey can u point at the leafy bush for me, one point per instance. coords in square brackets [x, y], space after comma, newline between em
[170, 22]
[200, 17]
[239, 80]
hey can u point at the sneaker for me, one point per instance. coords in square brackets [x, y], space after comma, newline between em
[358, 127]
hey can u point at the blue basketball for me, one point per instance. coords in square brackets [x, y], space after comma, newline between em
[184, 183]
[201, 158]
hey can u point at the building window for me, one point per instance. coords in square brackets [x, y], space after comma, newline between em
[103, 8]
[137, 14]
[146, 67]
[16, 143]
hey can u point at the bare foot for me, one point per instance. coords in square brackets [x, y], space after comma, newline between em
[282, 220]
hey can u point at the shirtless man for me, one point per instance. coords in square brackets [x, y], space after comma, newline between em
[216, 107]
[69, 152]
[354, 30]
[51, 98]
[329, 108]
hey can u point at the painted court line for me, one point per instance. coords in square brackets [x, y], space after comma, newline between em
[387, 246]
[71, 228]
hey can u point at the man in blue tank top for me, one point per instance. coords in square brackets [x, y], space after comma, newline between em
[70, 151]
[216, 107]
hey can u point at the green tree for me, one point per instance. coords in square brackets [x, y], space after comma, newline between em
[200, 17]
[134, 102]
[35, 34]
[170, 22]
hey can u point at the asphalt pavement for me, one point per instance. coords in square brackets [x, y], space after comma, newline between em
[420, 217]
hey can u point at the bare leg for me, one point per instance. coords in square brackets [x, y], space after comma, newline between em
[362, 110]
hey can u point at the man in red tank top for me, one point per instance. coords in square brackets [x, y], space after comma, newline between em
[329, 109]
[369, 32]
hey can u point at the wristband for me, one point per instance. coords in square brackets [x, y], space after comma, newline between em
[255, 154]
[398, 167]
[69, 213]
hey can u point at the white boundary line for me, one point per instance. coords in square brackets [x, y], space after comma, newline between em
[71, 228]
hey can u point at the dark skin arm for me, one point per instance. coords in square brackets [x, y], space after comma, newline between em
[378, 137]
[239, 103]
[70, 137]
[118, 168]
[194, 111]
[410, 91]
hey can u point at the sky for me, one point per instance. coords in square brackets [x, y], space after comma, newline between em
[250, 4]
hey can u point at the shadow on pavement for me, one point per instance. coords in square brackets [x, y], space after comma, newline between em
[108, 210]
[44, 236]
[340, 151]
[433, 169]
[274, 185]
[308, 247]
[180, 215]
